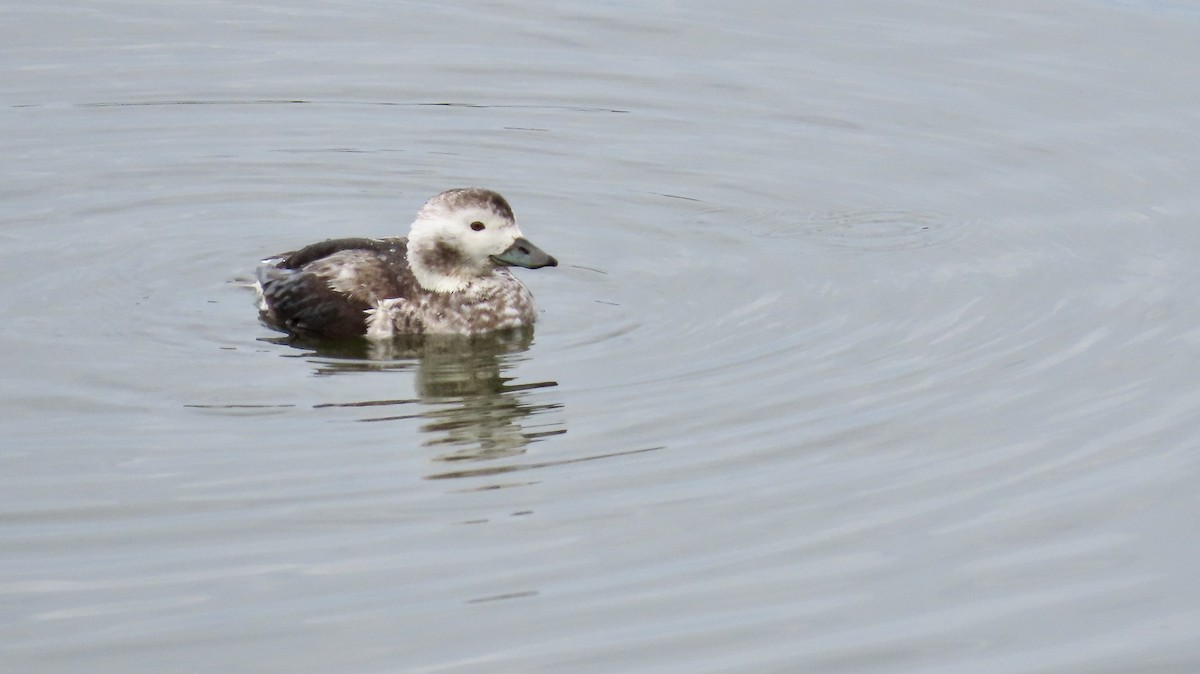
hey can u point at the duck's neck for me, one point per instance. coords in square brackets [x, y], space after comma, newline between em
[441, 268]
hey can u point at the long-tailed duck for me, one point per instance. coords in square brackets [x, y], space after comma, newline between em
[449, 276]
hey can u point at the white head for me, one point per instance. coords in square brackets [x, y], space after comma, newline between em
[465, 234]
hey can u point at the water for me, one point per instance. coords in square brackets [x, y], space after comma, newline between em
[872, 349]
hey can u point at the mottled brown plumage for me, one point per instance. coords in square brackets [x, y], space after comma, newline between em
[448, 276]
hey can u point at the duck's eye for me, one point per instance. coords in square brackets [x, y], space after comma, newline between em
[478, 226]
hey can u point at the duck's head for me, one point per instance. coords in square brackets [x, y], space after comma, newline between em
[464, 234]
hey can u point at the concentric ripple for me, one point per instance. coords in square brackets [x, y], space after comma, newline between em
[866, 230]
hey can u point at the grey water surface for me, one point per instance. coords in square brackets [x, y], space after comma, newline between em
[873, 347]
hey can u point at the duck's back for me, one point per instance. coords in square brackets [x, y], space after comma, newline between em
[326, 289]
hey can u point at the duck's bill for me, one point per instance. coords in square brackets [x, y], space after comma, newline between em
[524, 254]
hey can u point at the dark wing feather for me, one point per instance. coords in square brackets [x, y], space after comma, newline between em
[316, 251]
[302, 302]
[300, 299]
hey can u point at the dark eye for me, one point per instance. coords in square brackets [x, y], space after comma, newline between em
[478, 226]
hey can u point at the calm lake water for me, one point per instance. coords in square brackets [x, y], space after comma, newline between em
[873, 348]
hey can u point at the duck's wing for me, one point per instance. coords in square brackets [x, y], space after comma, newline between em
[326, 289]
[298, 258]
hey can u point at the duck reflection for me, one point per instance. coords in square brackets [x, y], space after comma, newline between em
[471, 407]
[480, 413]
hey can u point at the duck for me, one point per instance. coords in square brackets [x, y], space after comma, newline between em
[450, 275]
